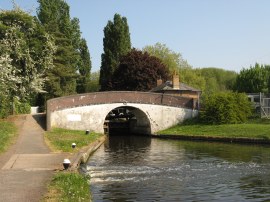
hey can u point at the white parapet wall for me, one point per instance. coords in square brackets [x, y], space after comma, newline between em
[34, 110]
[92, 117]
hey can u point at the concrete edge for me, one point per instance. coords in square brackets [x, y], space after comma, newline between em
[214, 139]
[83, 156]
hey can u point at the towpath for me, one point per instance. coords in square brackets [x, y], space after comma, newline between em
[28, 166]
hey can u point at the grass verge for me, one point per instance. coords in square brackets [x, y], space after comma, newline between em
[254, 129]
[68, 186]
[61, 139]
[8, 132]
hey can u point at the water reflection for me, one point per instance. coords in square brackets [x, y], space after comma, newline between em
[226, 151]
[126, 149]
[127, 143]
[129, 168]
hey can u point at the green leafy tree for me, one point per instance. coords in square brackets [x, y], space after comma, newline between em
[253, 80]
[54, 15]
[174, 61]
[9, 79]
[192, 77]
[116, 42]
[28, 49]
[93, 84]
[217, 80]
[26, 53]
[138, 71]
[267, 72]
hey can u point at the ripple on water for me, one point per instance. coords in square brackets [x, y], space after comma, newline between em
[153, 176]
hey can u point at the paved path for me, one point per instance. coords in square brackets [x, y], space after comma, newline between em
[28, 166]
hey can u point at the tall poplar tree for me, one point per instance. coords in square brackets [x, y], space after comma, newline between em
[84, 68]
[116, 43]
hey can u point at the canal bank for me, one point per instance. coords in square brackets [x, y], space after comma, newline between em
[70, 184]
[239, 140]
[255, 131]
[83, 155]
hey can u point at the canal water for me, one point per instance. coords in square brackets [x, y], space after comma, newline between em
[135, 168]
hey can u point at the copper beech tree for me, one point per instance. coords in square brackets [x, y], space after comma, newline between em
[138, 71]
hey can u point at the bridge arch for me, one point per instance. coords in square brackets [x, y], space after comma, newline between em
[127, 119]
[153, 111]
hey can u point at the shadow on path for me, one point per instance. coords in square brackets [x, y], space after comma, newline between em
[41, 120]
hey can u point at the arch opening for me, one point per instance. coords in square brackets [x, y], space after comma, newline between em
[126, 120]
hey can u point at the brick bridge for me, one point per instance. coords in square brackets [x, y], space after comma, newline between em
[140, 112]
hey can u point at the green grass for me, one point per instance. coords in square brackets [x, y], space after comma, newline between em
[8, 132]
[67, 186]
[61, 139]
[255, 129]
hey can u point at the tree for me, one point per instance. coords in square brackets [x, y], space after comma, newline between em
[116, 42]
[138, 71]
[217, 80]
[26, 53]
[192, 77]
[253, 80]
[175, 62]
[84, 67]
[8, 83]
[93, 84]
[54, 15]
[28, 48]
[171, 59]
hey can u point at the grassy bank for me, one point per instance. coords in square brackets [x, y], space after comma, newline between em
[61, 139]
[8, 132]
[67, 186]
[254, 129]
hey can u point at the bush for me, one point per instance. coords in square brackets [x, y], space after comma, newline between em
[5, 107]
[22, 107]
[225, 108]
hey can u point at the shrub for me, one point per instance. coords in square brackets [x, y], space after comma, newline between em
[5, 107]
[225, 108]
[22, 107]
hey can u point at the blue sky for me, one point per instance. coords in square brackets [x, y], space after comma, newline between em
[228, 34]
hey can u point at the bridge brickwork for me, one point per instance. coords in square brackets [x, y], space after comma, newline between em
[118, 97]
[123, 98]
